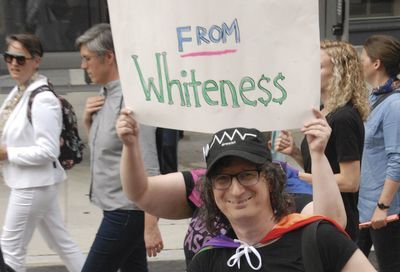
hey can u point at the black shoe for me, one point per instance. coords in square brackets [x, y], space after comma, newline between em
[9, 269]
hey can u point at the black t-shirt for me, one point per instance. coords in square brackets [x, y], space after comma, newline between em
[345, 144]
[283, 255]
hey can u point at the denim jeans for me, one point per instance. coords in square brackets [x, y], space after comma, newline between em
[386, 242]
[119, 243]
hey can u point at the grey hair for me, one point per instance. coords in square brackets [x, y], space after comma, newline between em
[97, 39]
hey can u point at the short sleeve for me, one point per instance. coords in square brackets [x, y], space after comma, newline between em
[335, 247]
[189, 186]
[348, 133]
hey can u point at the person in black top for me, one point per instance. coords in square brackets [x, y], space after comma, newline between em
[258, 205]
[345, 105]
[244, 192]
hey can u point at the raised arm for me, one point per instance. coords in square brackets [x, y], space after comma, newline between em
[327, 200]
[164, 195]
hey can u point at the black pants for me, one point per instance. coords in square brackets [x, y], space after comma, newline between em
[167, 149]
[386, 242]
[3, 266]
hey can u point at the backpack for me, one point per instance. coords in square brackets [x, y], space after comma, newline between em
[71, 145]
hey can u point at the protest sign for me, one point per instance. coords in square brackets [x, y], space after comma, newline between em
[207, 65]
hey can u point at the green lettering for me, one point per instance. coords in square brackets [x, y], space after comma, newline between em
[186, 90]
[277, 85]
[222, 83]
[261, 99]
[194, 84]
[206, 88]
[242, 88]
[169, 83]
[151, 86]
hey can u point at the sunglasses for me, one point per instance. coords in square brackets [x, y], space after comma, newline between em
[21, 60]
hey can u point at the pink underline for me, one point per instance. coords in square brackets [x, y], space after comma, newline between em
[208, 53]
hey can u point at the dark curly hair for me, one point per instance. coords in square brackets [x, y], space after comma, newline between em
[281, 202]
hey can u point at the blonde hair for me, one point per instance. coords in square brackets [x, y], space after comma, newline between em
[347, 81]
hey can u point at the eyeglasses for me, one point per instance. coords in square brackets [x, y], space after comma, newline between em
[21, 60]
[86, 59]
[245, 178]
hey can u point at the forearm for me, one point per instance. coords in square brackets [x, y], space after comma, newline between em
[340, 179]
[306, 177]
[133, 175]
[348, 179]
[347, 184]
[150, 221]
[389, 190]
[326, 195]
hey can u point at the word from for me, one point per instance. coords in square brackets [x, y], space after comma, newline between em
[214, 34]
[190, 92]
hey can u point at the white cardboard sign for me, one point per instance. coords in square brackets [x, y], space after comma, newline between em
[205, 65]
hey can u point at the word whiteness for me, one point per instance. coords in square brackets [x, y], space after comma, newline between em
[191, 91]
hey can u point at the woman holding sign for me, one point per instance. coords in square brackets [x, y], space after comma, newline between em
[243, 193]
[380, 171]
[345, 105]
[176, 195]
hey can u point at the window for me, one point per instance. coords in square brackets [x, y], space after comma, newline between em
[56, 22]
[374, 8]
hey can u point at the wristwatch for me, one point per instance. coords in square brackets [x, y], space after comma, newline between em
[382, 206]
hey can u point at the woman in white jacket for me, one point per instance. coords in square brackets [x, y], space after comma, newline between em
[29, 151]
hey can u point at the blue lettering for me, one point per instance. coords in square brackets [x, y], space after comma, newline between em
[200, 33]
[181, 39]
[211, 32]
[214, 34]
[227, 31]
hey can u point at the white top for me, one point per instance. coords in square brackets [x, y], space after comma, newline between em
[33, 148]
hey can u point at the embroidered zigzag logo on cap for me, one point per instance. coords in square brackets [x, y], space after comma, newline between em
[226, 139]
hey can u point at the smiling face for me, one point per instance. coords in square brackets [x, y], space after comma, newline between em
[21, 73]
[240, 203]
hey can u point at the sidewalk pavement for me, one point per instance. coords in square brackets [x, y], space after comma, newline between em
[82, 218]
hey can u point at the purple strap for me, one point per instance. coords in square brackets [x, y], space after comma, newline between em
[222, 241]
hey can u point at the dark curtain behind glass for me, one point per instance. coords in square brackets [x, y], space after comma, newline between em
[56, 22]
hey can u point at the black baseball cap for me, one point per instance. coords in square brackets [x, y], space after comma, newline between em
[246, 143]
